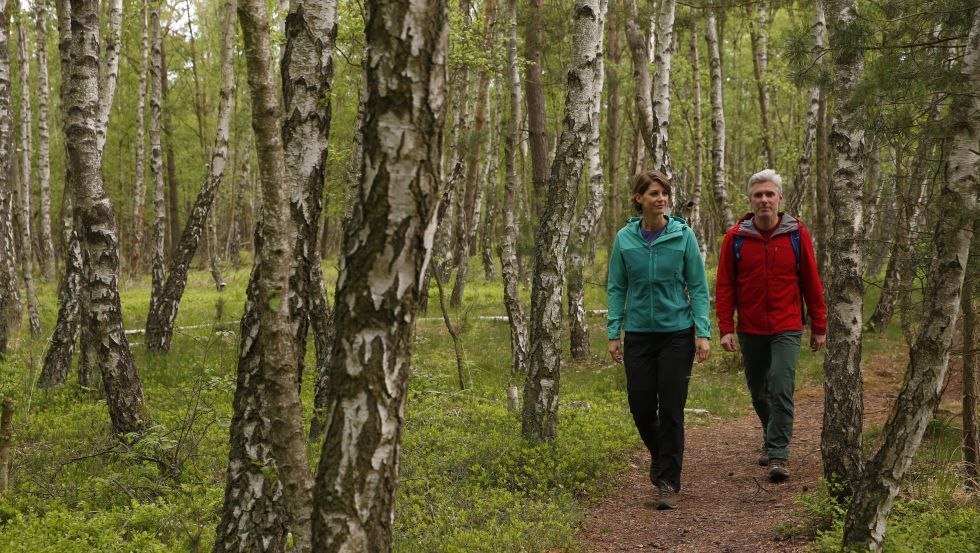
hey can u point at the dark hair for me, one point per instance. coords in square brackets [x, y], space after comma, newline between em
[644, 180]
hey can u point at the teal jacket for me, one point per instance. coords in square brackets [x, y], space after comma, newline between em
[659, 287]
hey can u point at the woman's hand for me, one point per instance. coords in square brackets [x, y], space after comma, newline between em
[702, 347]
[616, 350]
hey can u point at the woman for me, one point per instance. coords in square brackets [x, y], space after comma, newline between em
[658, 294]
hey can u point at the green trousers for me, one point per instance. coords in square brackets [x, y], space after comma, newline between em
[770, 371]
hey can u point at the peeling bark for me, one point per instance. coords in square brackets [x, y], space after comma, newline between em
[23, 211]
[165, 300]
[840, 440]
[45, 242]
[139, 181]
[10, 306]
[386, 248]
[864, 525]
[97, 226]
[804, 163]
[719, 179]
[510, 272]
[540, 414]
[156, 163]
[269, 486]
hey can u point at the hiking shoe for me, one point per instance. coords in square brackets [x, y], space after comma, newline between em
[763, 457]
[666, 497]
[777, 470]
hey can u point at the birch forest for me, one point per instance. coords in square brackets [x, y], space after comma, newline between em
[330, 275]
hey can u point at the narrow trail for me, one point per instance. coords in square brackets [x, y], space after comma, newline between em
[726, 504]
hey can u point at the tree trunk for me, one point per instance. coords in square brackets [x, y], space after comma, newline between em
[23, 210]
[45, 242]
[172, 184]
[614, 51]
[10, 307]
[165, 300]
[488, 226]
[840, 440]
[269, 483]
[97, 226]
[695, 197]
[386, 250]
[110, 70]
[586, 225]
[510, 272]
[864, 525]
[663, 56]
[57, 360]
[719, 180]
[642, 87]
[821, 195]
[307, 70]
[798, 194]
[759, 37]
[971, 434]
[139, 184]
[537, 117]
[156, 169]
[540, 417]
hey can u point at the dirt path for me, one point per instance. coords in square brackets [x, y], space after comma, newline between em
[727, 504]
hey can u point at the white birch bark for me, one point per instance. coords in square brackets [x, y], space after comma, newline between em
[759, 37]
[110, 69]
[98, 235]
[719, 178]
[804, 163]
[156, 158]
[269, 483]
[45, 241]
[510, 272]
[642, 83]
[26, 251]
[540, 415]
[864, 525]
[696, 223]
[10, 307]
[387, 249]
[663, 56]
[165, 301]
[139, 180]
[840, 443]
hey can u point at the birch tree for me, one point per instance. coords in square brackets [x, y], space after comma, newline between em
[759, 37]
[840, 440]
[664, 47]
[718, 176]
[158, 270]
[45, 242]
[23, 211]
[804, 163]
[695, 60]
[9, 292]
[139, 179]
[165, 300]
[864, 525]
[387, 248]
[510, 273]
[269, 485]
[536, 109]
[540, 416]
[98, 235]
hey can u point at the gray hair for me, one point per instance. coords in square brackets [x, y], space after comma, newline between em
[763, 176]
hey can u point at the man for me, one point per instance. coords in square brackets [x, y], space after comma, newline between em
[765, 272]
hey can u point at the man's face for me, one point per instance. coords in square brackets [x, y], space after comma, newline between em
[764, 198]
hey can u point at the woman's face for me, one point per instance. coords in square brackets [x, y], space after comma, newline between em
[654, 200]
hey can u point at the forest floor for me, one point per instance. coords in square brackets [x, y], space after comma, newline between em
[727, 504]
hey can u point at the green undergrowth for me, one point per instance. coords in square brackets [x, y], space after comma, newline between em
[932, 513]
[468, 480]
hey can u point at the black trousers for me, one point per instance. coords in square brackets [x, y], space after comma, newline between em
[658, 370]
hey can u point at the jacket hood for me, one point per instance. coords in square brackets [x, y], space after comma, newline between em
[787, 224]
[674, 224]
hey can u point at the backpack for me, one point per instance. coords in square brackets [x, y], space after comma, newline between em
[794, 240]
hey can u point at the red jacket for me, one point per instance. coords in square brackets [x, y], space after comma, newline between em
[768, 288]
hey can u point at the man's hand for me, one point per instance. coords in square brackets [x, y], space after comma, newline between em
[702, 347]
[817, 341]
[728, 342]
[616, 350]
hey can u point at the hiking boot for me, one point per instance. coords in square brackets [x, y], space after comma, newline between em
[666, 497]
[777, 470]
[763, 457]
